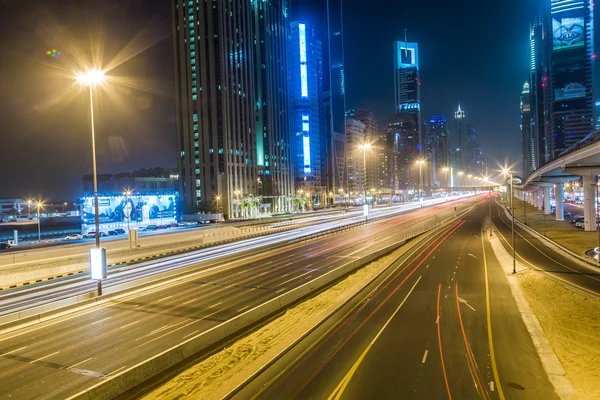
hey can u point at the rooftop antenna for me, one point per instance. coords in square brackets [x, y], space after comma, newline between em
[405, 43]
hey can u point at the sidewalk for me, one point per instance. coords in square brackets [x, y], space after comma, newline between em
[562, 232]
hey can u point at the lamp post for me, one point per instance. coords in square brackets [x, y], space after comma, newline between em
[91, 78]
[505, 171]
[38, 206]
[446, 169]
[28, 208]
[237, 197]
[127, 194]
[218, 198]
[420, 163]
[364, 147]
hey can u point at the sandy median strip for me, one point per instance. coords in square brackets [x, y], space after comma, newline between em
[571, 322]
[216, 376]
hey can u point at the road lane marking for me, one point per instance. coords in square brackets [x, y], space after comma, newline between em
[427, 266]
[492, 386]
[164, 298]
[125, 326]
[80, 362]
[12, 351]
[439, 335]
[190, 334]
[465, 302]
[239, 273]
[424, 357]
[472, 255]
[116, 370]
[42, 358]
[469, 356]
[100, 320]
[339, 390]
[489, 324]
[189, 301]
[243, 308]
[280, 290]
[214, 305]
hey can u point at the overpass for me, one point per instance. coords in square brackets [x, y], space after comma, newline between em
[580, 161]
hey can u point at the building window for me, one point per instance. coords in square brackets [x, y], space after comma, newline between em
[197, 182]
[197, 171]
[197, 193]
[194, 97]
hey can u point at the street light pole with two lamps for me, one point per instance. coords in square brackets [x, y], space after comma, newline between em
[506, 172]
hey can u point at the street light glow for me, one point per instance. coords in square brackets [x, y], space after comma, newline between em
[92, 76]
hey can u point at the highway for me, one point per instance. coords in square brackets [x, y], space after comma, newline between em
[60, 357]
[532, 253]
[24, 297]
[440, 324]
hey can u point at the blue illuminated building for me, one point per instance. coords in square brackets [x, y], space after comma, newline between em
[305, 71]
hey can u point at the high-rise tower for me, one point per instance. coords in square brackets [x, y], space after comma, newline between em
[529, 143]
[572, 73]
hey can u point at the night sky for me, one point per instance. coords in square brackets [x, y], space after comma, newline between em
[473, 52]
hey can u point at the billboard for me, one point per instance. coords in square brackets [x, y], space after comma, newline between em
[569, 81]
[136, 210]
[568, 33]
[571, 91]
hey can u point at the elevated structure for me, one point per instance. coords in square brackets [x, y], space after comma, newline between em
[580, 161]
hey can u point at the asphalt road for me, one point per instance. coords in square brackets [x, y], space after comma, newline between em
[531, 252]
[419, 332]
[60, 357]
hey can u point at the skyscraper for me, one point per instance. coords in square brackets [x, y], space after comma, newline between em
[275, 168]
[540, 101]
[529, 142]
[440, 148]
[407, 83]
[307, 108]
[336, 104]
[572, 73]
[355, 131]
[375, 168]
[231, 103]
[215, 102]
[459, 141]
[403, 134]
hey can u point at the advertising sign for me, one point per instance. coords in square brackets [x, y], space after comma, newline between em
[119, 211]
[573, 90]
[568, 33]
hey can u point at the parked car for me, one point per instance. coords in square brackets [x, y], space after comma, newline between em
[141, 229]
[575, 220]
[151, 228]
[74, 236]
[120, 231]
[580, 224]
[92, 234]
[162, 226]
[4, 246]
[112, 233]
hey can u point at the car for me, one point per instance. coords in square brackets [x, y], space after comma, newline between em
[141, 229]
[120, 231]
[162, 227]
[92, 234]
[183, 223]
[74, 236]
[4, 246]
[579, 224]
[112, 233]
[151, 228]
[576, 220]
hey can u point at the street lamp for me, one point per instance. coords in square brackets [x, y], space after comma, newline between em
[420, 163]
[127, 194]
[39, 205]
[237, 194]
[364, 147]
[91, 78]
[218, 198]
[29, 208]
[505, 171]
[446, 169]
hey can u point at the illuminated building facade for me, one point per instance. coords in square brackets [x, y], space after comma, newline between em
[307, 108]
[231, 102]
[572, 73]
[439, 147]
[528, 140]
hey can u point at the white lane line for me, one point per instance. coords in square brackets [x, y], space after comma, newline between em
[283, 276]
[239, 273]
[243, 308]
[427, 266]
[100, 320]
[41, 358]
[492, 386]
[280, 290]
[12, 351]
[116, 370]
[230, 286]
[424, 357]
[214, 305]
[308, 277]
[471, 255]
[80, 362]
[164, 298]
[190, 334]
[189, 301]
[125, 326]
